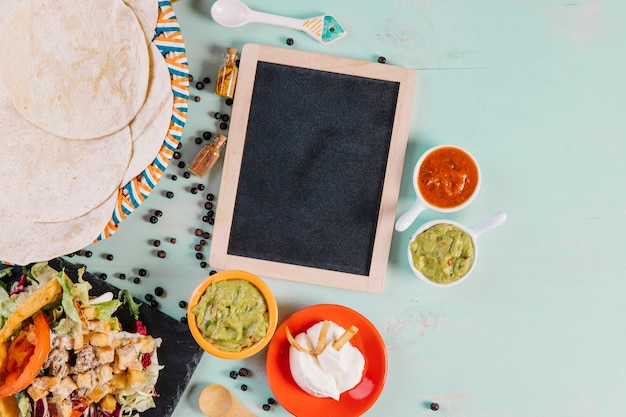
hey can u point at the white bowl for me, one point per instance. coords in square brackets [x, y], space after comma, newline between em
[421, 204]
[493, 221]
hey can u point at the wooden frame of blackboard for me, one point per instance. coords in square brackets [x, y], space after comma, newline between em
[245, 174]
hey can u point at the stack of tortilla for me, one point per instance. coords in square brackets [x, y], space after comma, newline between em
[85, 104]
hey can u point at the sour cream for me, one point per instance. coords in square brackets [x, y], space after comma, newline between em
[331, 372]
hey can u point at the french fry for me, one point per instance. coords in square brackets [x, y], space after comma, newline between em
[321, 340]
[293, 342]
[345, 338]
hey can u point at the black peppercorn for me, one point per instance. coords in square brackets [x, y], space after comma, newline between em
[182, 304]
[110, 257]
[136, 280]
[142, 272]
[103, 276]
[208, 205]
[244, 387]
[206, 80]
[200, 85]
[213, 272]
[199, 255]
[154, 303]
[289, 41]
[382, 59]
[158, 213]
[161, 254]
[206, 135]
[201, 187]
[196, 98]
[198, 232]
[434, 406]
[234, 374]
[266, 407]
[210, 213]
[203, 264]
[206, 235]
[176, 155]
[149, 297]
[198, 140]
[210, 197]
[181, 164]
[186, 174]
[88, 253]
[122, 276]
[229, 101]
[194, 190]
[218, 115]
[198, 247]
[159, 291]
[154, 219]
[173, 240]
[243, 372]
[271, 400]
[183, 319]
[174, 177]
[169, 194]
[211, 221]
[225, 117]
[205, 219]
[203, 242]
[156, 243]
[223, 126]
[190, 78]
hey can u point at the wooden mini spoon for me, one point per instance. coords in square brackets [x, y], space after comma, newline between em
[217, 401]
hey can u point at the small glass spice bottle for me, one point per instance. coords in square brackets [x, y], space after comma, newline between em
[227, 76]
[207, 157]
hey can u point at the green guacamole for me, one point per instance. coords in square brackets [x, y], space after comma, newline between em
[443, 253]
[232, 314]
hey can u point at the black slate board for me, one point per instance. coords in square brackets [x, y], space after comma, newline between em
[311, 177]
[179, 353]
[313, 165]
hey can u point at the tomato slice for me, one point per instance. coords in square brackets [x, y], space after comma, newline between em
[25, 359]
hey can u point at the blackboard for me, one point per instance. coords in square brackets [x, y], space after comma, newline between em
[312, 168]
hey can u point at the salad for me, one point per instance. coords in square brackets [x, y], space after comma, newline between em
[63, 353]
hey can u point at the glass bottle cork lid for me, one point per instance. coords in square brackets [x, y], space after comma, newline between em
[231, 51]
[220, 139]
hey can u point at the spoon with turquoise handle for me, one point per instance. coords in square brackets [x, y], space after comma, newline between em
[234, 13]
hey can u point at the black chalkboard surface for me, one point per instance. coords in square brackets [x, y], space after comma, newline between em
[312, 168]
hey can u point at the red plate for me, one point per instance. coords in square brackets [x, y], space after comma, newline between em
[352, 403]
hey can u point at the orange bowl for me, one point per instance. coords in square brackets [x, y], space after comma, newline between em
[272, 309]
[351, 403]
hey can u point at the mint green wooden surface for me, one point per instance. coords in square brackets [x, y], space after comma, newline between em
[535, 90]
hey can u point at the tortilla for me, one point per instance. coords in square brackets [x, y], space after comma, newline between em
[23, 242]
[149, 128]
[147, 12]
[8, 405]
[78, 69]
[42, 296]
[5, 9]
[48, 178]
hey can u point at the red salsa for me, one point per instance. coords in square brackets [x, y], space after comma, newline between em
[447, 177]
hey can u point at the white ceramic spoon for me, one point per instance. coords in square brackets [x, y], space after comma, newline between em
[217, 401]
[234, 13]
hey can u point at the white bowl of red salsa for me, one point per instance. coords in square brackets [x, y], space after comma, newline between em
[446, 178]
